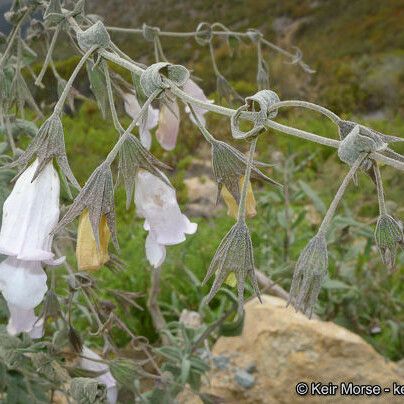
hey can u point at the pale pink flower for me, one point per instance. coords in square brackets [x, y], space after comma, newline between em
[169, 124]
[192, 89]
[146, 122]
[156, 202]
[106, 378]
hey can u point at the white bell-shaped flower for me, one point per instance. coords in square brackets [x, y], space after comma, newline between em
[157, 203]
[22, 283]
[192, 89]
[106, 378]
[146, 122]
[30, 213]
[22, 320]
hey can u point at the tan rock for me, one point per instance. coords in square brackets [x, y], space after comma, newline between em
[287, 348]
[202, 193]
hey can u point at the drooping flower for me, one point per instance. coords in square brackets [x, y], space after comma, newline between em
[91, 362]
[146, 122]
[91, 257]
[388, 235]
[157, 203]
[169, 124]
[192, 89]
[232, 206]
[310, 273]
[29, 215]
[24, 320]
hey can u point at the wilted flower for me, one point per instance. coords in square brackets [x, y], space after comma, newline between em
[91, 362]
[229, 166]
[388, 235]
[97, 196]
[234, 255]
[89, 256]
[192, 89]
[29, 215]
[132, 156]
[232, 206]
[24, 320]
[310, 272]
[146, 122]
[156, 202]
[169, 124]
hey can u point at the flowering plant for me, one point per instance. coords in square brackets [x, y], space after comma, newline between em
[32, 231]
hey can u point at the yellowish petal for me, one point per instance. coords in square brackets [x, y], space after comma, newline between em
[232, 207]
[89, 257]
[231, 280]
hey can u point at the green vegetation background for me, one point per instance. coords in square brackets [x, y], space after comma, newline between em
[357, 49]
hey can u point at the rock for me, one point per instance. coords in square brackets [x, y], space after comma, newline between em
[202, 193]
[221, 361]
[244, 379]
[191, 319]
[288, 348]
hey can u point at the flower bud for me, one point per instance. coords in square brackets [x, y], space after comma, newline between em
[388, 235]
[310, 272]
[91, 257]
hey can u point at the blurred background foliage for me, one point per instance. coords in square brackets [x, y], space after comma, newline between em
[356, 48]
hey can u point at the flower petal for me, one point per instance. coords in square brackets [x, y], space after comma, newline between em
[169, 124]
[29, 215]
[155, 253]
[147, 122]
[22, 320]
[192, 89]
[157, 203]
[23, 283]
[89, 256]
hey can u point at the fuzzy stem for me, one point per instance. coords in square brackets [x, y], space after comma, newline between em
[152, 304]
[248, 115]
[11, 40]
[212, 56]
[379, 187]
[9, 135]
[338, 196]
[114, 114]
[59, 105]
[113, 153]
[205, 133]
[48, 57]
[243, 198]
